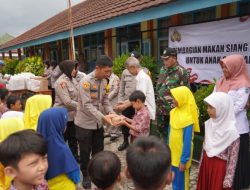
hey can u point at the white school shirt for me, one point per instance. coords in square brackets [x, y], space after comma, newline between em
[144, 84]
[12, 114]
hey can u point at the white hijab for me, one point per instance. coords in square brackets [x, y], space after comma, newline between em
[220, 132]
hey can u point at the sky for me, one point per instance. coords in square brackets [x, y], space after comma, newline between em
[18, 16]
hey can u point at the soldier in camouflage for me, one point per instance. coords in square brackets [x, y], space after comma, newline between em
[171, 75]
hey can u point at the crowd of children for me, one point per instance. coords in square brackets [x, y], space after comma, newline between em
[35, 156]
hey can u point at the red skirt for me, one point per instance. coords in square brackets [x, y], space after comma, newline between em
[212, 173]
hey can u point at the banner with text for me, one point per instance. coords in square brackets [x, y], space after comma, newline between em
[201, 46]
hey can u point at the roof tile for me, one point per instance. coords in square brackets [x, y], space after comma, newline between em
[87, 12]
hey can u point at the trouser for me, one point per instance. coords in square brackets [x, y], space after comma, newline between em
[129, 113]
[90, 143]
[162, 126]
[112, 130]
[53, 95]
[70, 137]
[181, 179]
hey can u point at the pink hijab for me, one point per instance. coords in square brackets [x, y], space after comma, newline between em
[239, 76]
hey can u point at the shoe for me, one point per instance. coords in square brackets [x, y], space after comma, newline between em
[123, 146]
[86, 183]
[113, 138]
[106, 135]
[130, 184]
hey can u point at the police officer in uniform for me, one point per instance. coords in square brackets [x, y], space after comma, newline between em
[127, 86]
[66, 97]
[93, 102]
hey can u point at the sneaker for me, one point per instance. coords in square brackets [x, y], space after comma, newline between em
[113, 137]
[123, 146]
[86, 183]
[130, 184]
[106, 135]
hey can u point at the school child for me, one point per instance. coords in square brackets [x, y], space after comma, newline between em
[3, 97]
[104, 170]
[183, 123]
[140, 124]
[14, 107]
[7, 127]
[221, 145]
[63, 172]
[149, 163]
[33, 108]
[24, 157]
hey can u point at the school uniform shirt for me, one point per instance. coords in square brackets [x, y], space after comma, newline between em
[144, 84]
[93, 102]
[66, 95]
[127, 85]
[43, 186]
[141, 122]
[12, 114]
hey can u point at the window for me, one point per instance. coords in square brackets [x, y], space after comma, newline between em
[147, 47]
[244, 8]
[53, 51]
[93, 48]
[65, 49]
[187, 18]
[128, 39]
[163, 44]
[163, 25]
[199, 16]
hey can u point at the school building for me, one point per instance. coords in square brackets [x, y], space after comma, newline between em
[115, 27]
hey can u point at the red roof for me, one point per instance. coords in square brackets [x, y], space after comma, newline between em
[87, 12]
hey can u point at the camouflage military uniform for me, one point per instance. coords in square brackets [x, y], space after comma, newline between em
[169, 78]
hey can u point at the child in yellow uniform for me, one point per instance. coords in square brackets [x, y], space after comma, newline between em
[183, 123]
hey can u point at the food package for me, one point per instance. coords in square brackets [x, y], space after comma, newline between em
[37, 84]
[18, 82]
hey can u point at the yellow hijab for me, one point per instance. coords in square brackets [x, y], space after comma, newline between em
[7, 127]
[186, 113]
[33, 108]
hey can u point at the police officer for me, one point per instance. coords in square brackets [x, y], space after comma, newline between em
[66, 96]
[171, 75]
[127, 86]
[93, 102]
[114, 83]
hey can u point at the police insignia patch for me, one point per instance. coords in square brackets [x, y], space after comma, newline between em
[86, 85]
[62, 84]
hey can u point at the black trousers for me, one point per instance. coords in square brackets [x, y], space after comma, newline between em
[53, 94]
[90, 143]
[70, 137]
[128, 112]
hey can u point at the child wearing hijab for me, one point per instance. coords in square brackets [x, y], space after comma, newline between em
[221, 145]
[236, 83]
[63, 171]
[183, 123]
[33, 108]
